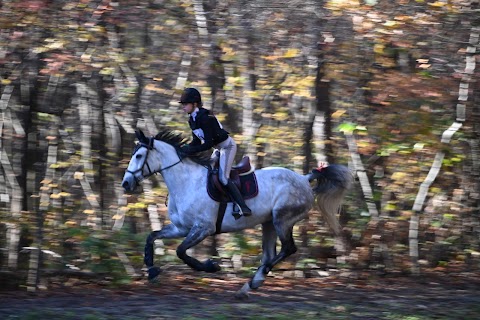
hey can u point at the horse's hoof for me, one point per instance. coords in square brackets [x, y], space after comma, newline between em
[212, 266]
[153, 274]
[242, 295]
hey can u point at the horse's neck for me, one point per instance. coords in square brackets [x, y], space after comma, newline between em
[182, 177]
[179, 175]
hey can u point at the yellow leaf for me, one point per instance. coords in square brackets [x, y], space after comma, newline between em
[418, 146]
[281, 116]
[291, 53]
[107, 71]
[378, 48]
[78, 175]
[55, 196]
[437, 4]
[390, 23]
[89, 211]
[55, 45]
[270, 58]
[140, 205]
[170, 22]
[86, 57]
[398, 176]
[338, 113]
[152, 87]
[40, 49]
[403, 18]
[6, 81]
[98, 29]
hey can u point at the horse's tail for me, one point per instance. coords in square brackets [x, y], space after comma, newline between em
[332, 183]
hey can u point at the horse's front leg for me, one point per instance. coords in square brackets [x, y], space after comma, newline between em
[194, 237]
[170, 231]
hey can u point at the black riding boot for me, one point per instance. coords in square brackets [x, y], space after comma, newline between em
[237, 197]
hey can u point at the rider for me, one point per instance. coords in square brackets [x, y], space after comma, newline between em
[207, 132]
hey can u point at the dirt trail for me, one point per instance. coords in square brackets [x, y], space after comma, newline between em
[201, 296]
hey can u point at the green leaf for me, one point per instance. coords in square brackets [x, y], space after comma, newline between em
[347, 127]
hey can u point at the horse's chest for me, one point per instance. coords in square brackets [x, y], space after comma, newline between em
[177, 219]
[182, 218]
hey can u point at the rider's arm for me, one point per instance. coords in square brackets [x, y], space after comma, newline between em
[208, 131]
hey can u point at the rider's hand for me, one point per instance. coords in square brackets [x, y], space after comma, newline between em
[184, 150]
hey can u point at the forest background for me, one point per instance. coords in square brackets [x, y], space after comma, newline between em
[390, 88]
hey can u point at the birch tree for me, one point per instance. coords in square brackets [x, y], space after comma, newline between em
[460, 117]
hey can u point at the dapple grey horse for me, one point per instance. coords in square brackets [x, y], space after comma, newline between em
[284, 198]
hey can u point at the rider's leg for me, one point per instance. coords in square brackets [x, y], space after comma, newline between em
[228, 149]
[237, 197]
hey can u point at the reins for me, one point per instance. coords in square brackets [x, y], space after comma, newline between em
[172, 165]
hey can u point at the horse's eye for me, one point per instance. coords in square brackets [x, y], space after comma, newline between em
[138, 156]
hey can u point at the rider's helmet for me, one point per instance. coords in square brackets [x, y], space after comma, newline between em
[191, 95]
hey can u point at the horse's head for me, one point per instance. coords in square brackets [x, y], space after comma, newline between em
[147, 157]
[140, 165]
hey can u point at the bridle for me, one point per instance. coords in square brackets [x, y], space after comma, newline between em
[149, 147]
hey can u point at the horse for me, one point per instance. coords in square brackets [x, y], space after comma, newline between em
[284, 198]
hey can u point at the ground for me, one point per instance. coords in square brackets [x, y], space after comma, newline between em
[185, 294]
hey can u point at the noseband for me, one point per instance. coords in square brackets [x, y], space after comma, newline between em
[149, 147]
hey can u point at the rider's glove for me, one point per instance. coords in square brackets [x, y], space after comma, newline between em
[185, 150]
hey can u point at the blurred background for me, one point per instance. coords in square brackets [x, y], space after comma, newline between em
[389, 88]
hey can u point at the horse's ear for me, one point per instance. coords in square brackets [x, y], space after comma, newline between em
[140, 136]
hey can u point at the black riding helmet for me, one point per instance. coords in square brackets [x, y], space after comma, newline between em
[191, 95]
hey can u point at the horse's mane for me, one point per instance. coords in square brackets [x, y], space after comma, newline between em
[177, 141]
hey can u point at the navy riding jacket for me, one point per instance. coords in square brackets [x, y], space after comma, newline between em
[206, 132]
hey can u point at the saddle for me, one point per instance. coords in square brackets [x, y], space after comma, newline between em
[242, 174]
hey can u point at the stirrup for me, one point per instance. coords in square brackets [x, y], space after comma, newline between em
[237, 212]
[246, 214]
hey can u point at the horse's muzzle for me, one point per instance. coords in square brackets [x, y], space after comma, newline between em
[126, 185]
[129, 183]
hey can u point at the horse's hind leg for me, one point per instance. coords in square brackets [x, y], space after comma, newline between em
[269, 242]
[270, 259]
[194, 237]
